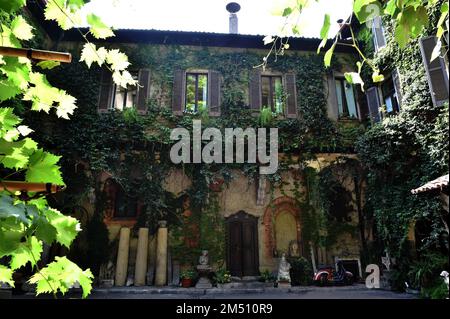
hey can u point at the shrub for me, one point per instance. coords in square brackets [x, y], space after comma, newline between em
[301, 271]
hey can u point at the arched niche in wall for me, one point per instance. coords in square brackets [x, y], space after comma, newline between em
[282, 227]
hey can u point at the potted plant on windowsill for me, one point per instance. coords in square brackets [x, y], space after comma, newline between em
[187, 278]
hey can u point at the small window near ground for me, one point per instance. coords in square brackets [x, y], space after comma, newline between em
[196, 92]
[272, 93]
[125, 97]
[125, 206]
[390, 97]
[346, 99]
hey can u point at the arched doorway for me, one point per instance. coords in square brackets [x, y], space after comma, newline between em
[242, 245]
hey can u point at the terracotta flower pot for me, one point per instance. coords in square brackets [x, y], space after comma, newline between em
[216, 186]
[186, 282]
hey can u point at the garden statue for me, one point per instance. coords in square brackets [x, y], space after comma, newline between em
[106, 275]
[204, 259]
[294, 250]
[283, 270]
[386, 261]
[203, 271]
[444, 275]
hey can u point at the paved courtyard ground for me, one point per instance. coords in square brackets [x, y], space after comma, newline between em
[352, 292]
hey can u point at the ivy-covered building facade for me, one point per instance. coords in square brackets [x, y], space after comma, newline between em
[320, 206]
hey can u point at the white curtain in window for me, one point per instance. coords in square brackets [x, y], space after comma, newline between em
[350, 96]
[339, 96]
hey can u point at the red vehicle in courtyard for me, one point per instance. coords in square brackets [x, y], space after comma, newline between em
[328, 276]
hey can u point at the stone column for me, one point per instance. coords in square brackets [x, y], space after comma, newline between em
[161, 255]
[122, 257]
[141, 258]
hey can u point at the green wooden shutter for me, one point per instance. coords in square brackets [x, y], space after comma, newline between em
[178, 92]
[291, 90]
[106, 91]
[214, 93]
[143, 90]
[397, 86]
[373, 102]
[255, 90]
[436, 73]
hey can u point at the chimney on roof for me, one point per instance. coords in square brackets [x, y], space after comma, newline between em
[232, 8]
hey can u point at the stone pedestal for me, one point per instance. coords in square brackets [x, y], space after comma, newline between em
[203, 272]
[122, 257]
[141, 258]
[385, 280]
[284, 284]
[161, 255]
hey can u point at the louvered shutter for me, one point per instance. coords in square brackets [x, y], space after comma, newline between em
[214, 93]
[291, 90]
[255, 90]
[178, 92]
[106, 91]
[378, 33]
[143, 90]
[397, 86]
[436, 73]
[373, 102]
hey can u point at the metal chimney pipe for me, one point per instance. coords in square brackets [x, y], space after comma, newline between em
[233, 8]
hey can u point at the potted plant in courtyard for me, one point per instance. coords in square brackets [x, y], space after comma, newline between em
[187, 277]
[267, 278]
[222, 277]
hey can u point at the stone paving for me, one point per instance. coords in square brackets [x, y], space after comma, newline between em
[350, 292]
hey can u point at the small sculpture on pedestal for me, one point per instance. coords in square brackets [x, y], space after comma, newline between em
[203, 271]
[386, 273]
[106, 275]
[294, 250]
[284, 276]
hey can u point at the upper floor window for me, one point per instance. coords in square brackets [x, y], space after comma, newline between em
[272, 93]
[379, 39]
[112, 96]
[196, 92]
[125, 97]
[345, 99]
[390, 98]
[387, 96]
[275, 91]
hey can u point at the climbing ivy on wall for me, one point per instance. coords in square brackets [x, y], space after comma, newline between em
[405, 151]
[134, 148]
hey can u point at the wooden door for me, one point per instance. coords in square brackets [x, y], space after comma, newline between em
[242, 245]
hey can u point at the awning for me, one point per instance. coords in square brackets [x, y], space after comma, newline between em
[438, 183]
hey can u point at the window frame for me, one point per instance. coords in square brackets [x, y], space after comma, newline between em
[272, 91]
[111, 106]
[341, 116]
[393, 93]
[196, 73]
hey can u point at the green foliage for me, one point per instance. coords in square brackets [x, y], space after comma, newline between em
[26, 224]
[425, 270]
[301, 271]
[222, 276]
[188, 274]
[61, 275]
[403, 152]
[267, 276]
